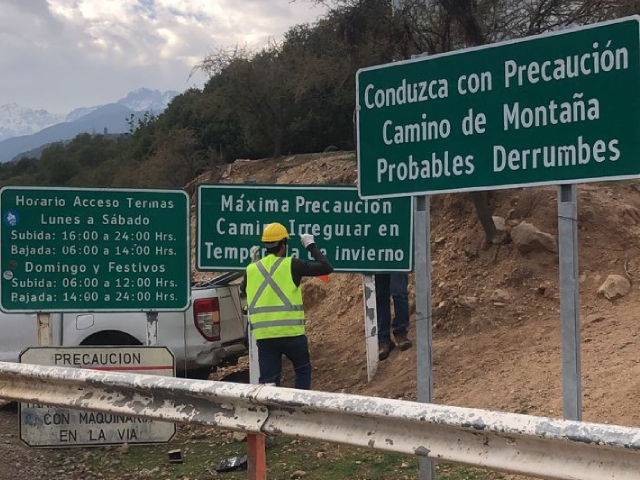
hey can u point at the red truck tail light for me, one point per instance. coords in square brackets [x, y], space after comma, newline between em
[206, 316]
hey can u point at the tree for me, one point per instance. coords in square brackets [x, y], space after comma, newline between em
[255, 88]
[56, 168]
[297, 96]
[176, 160]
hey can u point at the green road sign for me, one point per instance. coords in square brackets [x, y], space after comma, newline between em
[101, 250]
[558, 108]
[356, 235]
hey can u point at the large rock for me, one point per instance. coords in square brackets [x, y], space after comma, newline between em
[500, 296]
[500, 224]
[529, 239]
[468, 302]
[615, 286]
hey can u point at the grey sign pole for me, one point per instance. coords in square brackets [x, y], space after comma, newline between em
[370, 324]
[422, 296]
[422, 248]
[45, 332]
[569, 301]
[254, 365]
[152, 328]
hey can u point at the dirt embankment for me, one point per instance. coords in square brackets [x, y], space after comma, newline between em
[504, 357]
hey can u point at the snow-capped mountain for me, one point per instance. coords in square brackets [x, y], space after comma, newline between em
[111, 118]
[144, 99]
[23, 129]
[77, 113]
[140, 100]
[16, 120]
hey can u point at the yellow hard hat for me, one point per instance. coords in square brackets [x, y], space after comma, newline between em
[274, 232]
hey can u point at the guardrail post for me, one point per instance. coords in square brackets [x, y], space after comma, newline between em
[256, 445]
[256, 457]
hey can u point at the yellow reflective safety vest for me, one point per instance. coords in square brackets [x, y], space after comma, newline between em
[275, 301]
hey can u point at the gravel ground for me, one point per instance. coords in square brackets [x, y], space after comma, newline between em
[18, 462]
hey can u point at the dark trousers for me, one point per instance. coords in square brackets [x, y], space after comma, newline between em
[296, 349]
[392, 285]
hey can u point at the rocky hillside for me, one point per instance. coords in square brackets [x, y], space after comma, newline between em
[496, 312]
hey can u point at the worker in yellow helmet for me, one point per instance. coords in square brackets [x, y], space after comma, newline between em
[274, 300]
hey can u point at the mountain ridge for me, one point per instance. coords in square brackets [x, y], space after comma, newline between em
[110, 118]
[140, 99]
[23, 129]
[16, 120]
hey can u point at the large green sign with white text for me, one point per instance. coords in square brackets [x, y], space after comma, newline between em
[558, 108]
[75, 249]
[356, 235]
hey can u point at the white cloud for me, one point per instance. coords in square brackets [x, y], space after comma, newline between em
[62, 54]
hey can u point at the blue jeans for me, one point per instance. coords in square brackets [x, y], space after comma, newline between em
[296, 349]
[392, 285]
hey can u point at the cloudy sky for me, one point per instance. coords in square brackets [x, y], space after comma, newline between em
[63, 54]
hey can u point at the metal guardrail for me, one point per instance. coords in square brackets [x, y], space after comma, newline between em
[522, 444]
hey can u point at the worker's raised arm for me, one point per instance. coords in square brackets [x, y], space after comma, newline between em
[301, 268]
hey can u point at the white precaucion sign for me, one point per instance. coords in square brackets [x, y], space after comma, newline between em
[45, 426]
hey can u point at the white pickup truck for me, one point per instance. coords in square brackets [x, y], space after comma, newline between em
[210, 333]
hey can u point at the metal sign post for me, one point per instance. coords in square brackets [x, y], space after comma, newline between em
[370, 324]
[152, 328]
[45, 332]
[254, 366]
[422, 295]
[569, 301]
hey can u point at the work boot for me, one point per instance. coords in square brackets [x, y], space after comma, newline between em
[403, 342]
[384, 349]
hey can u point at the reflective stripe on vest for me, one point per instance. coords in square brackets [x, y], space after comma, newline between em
[276, 323]
[275, 302]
